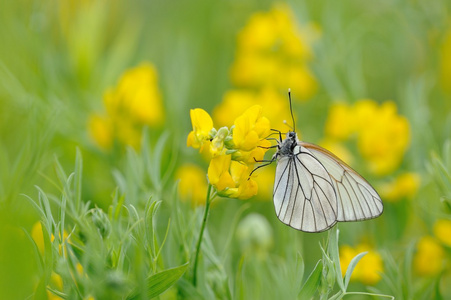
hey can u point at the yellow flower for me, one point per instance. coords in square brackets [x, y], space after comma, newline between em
[134, 103]
[250, 128]
[202, 126]
[404, 186]
[231, 178]
[442, 230]
[368, 269]
[79, 269]
[56, 282]
[218, 172]
[236, 102]
[384, 139]
[339, 123]
[245, 187]
[382, 135]
[38, 236]
[249, 133]
[233, 152]
[429, 258]
[193, 184]
[272, 51]
[101, 130]
[137, 96]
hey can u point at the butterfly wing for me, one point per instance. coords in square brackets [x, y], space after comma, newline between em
[357, 199]
[304, 195]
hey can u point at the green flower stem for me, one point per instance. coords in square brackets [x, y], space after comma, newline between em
[201, 233]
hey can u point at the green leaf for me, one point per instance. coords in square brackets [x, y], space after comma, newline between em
[78, 179]
[313, 281]
[335, 256]
[351, 267]
[160, 282]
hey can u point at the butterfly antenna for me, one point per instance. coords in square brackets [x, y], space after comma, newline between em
[291, 110]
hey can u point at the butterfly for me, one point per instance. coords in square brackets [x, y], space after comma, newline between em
[314, 189]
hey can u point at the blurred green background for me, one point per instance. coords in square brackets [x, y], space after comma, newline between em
[60, 59]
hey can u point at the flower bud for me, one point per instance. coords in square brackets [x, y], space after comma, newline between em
[101, 221]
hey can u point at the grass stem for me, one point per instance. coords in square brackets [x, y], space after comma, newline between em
[201, 234]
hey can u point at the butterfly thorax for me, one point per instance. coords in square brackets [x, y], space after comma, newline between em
[286, 146]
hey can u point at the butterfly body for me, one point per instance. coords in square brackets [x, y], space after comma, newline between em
[286, 146]
[314, 189]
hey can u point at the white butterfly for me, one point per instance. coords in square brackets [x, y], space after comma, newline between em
[314, 189]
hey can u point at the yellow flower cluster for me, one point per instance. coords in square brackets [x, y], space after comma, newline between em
[383, 135]
[233, 150]
[134, 103]
[193, 184]
[272, 51]
[406, 185]
[428, 259]
[369, 268]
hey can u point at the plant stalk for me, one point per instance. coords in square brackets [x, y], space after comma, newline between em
[201, 233]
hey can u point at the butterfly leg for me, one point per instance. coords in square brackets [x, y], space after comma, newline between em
[279, 132]
[268, 162]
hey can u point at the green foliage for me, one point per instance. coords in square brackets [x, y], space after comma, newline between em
[79, 221]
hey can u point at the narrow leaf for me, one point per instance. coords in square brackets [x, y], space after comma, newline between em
[160, 282]
[313, 281]
[351, 267]
[78, 178]
[335, 256]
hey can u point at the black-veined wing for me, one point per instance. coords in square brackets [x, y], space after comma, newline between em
[304, 195]
[357, 199]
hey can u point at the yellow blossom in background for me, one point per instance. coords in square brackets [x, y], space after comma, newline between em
[383, 135]
[193, 184]
[235, 102]
[272, 51]
[338, 149]
[340, 123]
[38, 236]
[384, 139]
[405, 185]
[134, 103]
[429, 257]
[202, 125]
[101, 131]
[442, 230]
[56, 282]
[368, 269]
[79, 269]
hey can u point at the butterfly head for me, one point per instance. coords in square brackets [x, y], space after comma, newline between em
[291, 135]
[286, 146]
